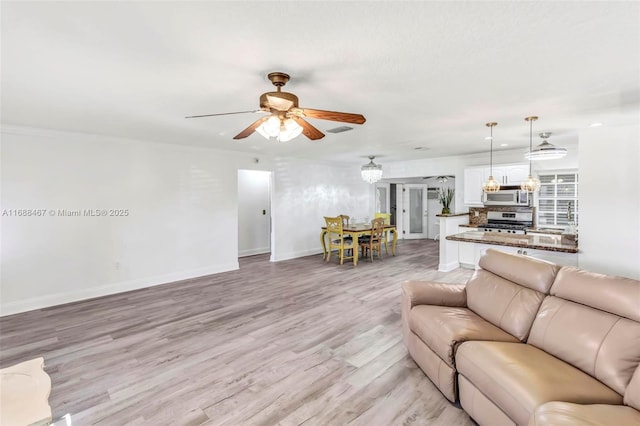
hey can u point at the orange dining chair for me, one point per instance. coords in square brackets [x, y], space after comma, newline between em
[337, 240]
[374, 242]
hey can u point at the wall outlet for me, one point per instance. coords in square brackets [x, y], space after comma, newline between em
[476, 213]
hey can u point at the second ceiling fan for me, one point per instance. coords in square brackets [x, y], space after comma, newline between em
[286, 120]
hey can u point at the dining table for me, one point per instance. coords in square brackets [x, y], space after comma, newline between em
[355, 230]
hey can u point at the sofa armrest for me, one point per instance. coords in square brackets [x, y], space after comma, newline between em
[434, 293]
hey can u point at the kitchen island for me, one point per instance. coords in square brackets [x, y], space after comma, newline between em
[472, 244]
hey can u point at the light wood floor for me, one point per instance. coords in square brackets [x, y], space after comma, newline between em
[292, 342]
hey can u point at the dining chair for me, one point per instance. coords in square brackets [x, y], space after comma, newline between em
[385, 216]
[374, 242]
[337, 240]
[345, 222]
[385, 236]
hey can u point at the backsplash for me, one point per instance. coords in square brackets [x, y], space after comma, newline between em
[481, 218]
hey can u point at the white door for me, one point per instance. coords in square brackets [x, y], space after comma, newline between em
[383, 195]
[414, 205]
[254, 212]
[433, 207]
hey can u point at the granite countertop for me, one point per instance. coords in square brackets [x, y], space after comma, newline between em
[539, 242]
[470, 226]
[543, 231]
[452, 214]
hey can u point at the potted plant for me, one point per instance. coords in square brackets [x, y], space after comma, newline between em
[445, 196]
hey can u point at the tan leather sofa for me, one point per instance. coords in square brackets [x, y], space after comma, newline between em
[528, 342]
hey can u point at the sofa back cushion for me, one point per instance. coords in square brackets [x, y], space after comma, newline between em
[526, 271]
[617, 295]
[587, 322]
[508, 290]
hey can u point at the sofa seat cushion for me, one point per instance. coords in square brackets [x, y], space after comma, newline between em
[518, 378]
[568, 414]
[443, 328]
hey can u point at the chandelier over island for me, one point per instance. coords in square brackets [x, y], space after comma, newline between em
[491, 185]
[371, 172]
[531, 184]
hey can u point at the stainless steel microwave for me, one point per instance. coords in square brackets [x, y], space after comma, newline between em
[508, 197]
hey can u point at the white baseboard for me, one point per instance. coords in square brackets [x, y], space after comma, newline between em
[448, 267]
[253, 252]
[295, 254]
[47, 301]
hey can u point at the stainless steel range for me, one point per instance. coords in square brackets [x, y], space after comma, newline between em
[508, 222]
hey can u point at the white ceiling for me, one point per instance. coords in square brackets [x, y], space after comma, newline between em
[424, 74]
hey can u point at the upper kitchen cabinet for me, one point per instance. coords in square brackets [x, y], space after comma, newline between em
[473, 180]
[514, 174]
[505, 174]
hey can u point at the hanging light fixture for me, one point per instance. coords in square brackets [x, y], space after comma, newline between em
[371, 172]
[491, 185]
[531, 184]
[283, 129]
[546, 150]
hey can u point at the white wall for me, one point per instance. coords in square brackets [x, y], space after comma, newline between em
[609, 231]
[305, 192]
[254, 227]
[179, 202]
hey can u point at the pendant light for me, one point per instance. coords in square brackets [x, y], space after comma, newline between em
[371, 172]
[546, 150]
[531, 184]
[491, 185]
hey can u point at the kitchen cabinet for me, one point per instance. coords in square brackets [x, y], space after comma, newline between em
[467, 255]
[564, 259]
[505, 174]
[470, 253]
[474, 177]
[514, 174]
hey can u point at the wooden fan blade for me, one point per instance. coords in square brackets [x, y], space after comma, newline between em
[308, 130]
[252, 128]
[223, 113]
[344, 117]
[279, 103]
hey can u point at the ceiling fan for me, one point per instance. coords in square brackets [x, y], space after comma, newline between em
[286, 120]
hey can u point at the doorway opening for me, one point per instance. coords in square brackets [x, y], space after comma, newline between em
[413, 204]
[254, 212]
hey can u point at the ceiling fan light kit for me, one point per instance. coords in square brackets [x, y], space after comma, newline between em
[286, 120]
[546, 150]
[491, 184]
[282, 130]
[371, 172]
[531, 184]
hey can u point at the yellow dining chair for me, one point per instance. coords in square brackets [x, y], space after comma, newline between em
[385, 235]
[374, 242]
[337, 240]
[345, 222]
